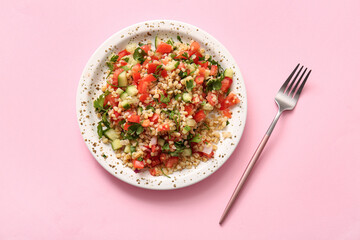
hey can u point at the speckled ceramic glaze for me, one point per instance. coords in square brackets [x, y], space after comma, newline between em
[93, 77]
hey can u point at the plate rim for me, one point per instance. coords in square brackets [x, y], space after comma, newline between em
[213, 39]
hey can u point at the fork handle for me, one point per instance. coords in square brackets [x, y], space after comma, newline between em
[250, 166]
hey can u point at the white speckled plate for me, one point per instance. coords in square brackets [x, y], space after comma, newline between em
[93, 78]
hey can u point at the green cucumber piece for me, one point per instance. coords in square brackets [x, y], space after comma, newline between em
[208, 107]
[187, 97]
[125, 104]
[127, 149]
[116, 144]
[161, 142]
[111, 134]
[131, 47]
[122, 79]
[187, 152]
[157, 41]
[124, 95]
[119, 91]
[229, 73]
[131, 90]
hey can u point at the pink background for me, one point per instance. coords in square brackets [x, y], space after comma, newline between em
[306, 185]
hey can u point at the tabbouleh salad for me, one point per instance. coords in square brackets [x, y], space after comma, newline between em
[161, 108]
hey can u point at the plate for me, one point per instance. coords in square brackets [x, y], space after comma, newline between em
[94, 75]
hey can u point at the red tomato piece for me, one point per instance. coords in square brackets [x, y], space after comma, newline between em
[146, 123]
[149, 78]
[213, 70]
[143, 97]
[152, 67]
[196, 59]
[123, 53]
[142, 87]
[154, 118]
[229, 101]
[137, 164]
[199, 80]
[164, 127]
[146, 48]
[134, 118]
[152, 171]
[212, 99]
[227, 113]
[200, 116]
[208, 155]
[116, 75]
[164, 48]
[226, 84]
[164, 73]
[181, 65]
[163, 157]
[126, 126]
[171, 162]
[189, 108]
[202, 71]
[204, 64]
[181, 55]
[123, 63]
[111, 100]
[194, 47]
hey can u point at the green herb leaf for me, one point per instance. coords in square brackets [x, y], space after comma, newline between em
[177, 64]
[114, 58]
[196, 139]
[178, 97]
[164, 173]
[100, 131]
[179, 38]
[126, 68]
[126, 59]
[170, 41]
[132, 149]
[139, 55]
[187, 128]
[99, 102]
[150, 107]
[110, 65]
[183, 74]
[139, 130]
[214, 84]
[140, 158]
[190, 84]
[227, 123]
[165, 147]
[185, 54]
[164, 99]
[173, 55]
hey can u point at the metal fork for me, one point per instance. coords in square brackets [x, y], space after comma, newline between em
[286, 99]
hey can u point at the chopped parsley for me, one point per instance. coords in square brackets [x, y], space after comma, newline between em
[165, 147]
[187, 128]
[139, 55]
[150, 107]
[196, 139]
[164, 173]
[179, 38]
[183, 74]
[114, 58]
[132, 149]
[164, 99]
[140, 159]
[190, 84]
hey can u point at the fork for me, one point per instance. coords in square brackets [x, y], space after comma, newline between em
[286, 99]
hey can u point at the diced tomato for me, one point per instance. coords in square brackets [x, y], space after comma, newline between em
[126, 126]
[204, 64]
[189, 108]
[152, 67]
[146, 123]
[123, 63]
[154, 118]
[152, 171]
[226, 84]
[164, 48]
[181, 55]
[194, 47]
[212, 99]
[163, 157]
[146, 48]
[115, 119]
[154, 58]
[145, 62]
[142, 87]
[123, 53]
[221, 98]
[163, 127]
[229, 101]
[116, 75]
[202, 71]
[171, 162]
[136, 72]
[133, 118]
[155, 161]
[181, 65]
[227, 113]
[164, 73]
[196, 59]
[136, 76]
[143, 97]
[208, 155]
[199, 80]
[200, 116]
[213, 70]
[164, 61]
[153, 148]
[111, 100]
[149, 78]
[137, 164]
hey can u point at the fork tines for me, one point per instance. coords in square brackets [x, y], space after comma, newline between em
[288, 89]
